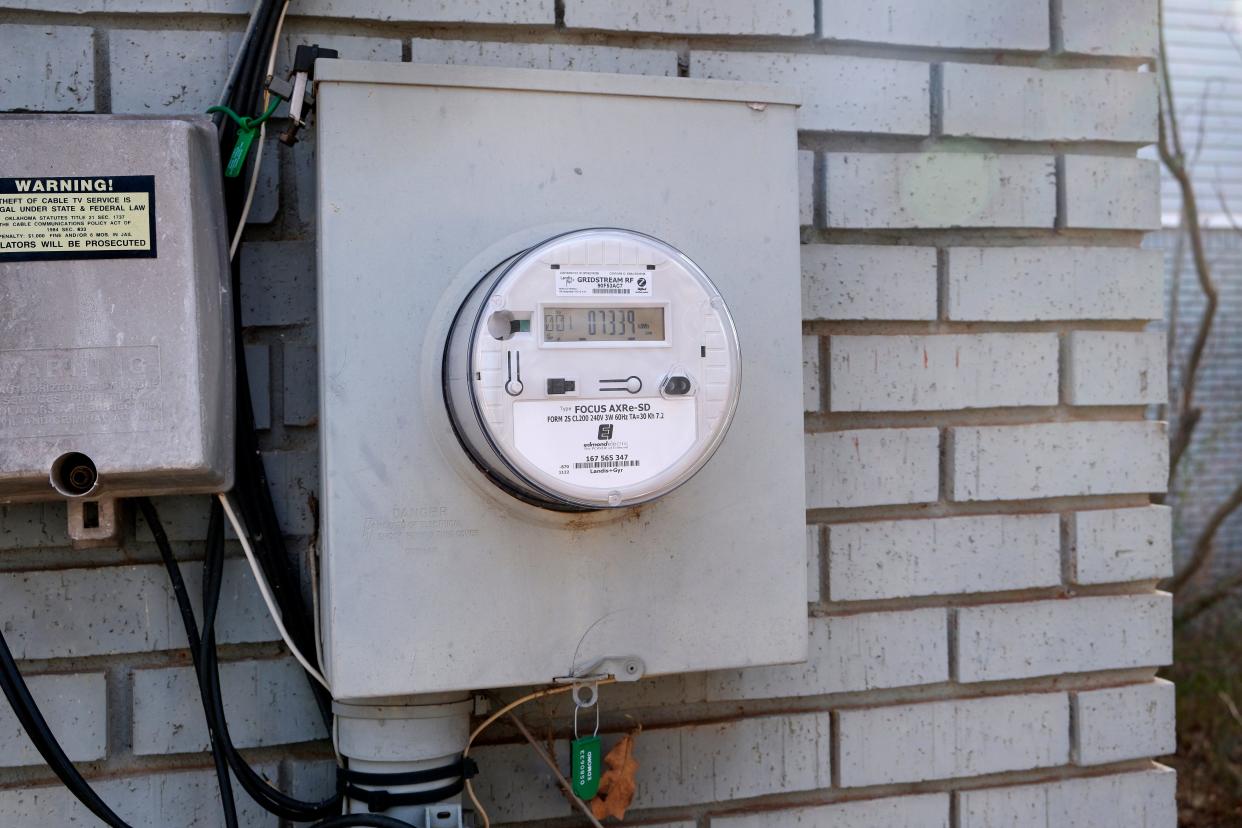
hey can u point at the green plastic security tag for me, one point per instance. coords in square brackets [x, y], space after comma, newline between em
[585, 758]
[245, 137]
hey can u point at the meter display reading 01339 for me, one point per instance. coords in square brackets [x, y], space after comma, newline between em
[603, 324]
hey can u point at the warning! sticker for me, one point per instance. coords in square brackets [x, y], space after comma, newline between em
[602, 442]
[109, 217]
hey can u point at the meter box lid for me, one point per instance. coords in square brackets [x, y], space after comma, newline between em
[116, 371]
[440, 572]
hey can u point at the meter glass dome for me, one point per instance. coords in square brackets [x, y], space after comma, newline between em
[597, 369]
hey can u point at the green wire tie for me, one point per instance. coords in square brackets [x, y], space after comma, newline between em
[247, 128]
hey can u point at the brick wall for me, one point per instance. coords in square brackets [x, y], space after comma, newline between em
[981, 547]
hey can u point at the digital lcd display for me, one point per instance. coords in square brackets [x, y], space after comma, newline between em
[603, 324]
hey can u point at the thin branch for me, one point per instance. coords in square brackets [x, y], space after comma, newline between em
[1179, 257]
[1202, 604]
[1205, 544]
[560, 777]
[1174, 159]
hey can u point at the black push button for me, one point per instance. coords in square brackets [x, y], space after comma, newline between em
[559, 385]
[677, 386]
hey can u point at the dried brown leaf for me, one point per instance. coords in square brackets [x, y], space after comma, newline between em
[619, 783]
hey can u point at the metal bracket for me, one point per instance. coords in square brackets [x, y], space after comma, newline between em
[94, 523]
[621, 668]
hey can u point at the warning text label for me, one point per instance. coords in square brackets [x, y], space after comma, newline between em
[106, 217]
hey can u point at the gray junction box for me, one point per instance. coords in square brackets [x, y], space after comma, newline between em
[116, 366]
[434, 577]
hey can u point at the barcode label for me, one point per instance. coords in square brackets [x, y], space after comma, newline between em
[607, 464]
[597, 291]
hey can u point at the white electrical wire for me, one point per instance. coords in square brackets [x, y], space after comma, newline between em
[258, 153]
[266, 591]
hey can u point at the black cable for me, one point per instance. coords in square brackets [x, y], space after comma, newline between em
[362, 821]
[32, 721]
[227, 802]
[274, 801]
[251, 489]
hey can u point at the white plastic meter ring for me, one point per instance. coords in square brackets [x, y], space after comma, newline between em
[598, 369]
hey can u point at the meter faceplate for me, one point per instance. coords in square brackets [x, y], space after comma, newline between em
[597, 369]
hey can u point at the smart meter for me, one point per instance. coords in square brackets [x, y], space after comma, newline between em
[595, 370]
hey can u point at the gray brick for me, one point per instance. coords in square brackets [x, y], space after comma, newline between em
[267, 189]
[435, 11]
[1118, 723]
[1023, 103]
[850, 653]
[962, 24]
[1127, 800]
[1116, 368]
[774, 17]
[294, 480]
[589, 58]
[122, 609]
[883, 191]
[996, 642]
[1111, 193]
[810, 373]
[304, 178]
[183, 517]
[278, 283]
[47, 68]
[806, 187]
[75, 707]
[259, 372]
[1118, 545]
[942, 371]
[866, 281]
[144, 6]
[168, 72]
[1110, 27]
[1015, 284]
[839, 94]
[351, 47]
[301, 385]
[1059, 459]
[949, 739]
[813, 577]
[267, 703]
[32, 525]
[872, 467]
[429, 11]
[898, 559]
[679, 766]
[153, 801]
[920, 811]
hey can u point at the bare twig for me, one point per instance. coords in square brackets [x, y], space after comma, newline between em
[1205, 544]
[560, 777]
[1203, 603]
[1173, 156]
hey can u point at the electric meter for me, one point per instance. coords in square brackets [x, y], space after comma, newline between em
[597, 369]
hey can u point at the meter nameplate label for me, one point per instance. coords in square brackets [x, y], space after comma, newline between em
[604, 443]
[104, 217]
[603, 281]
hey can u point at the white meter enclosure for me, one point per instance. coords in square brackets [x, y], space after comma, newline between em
[463, 545]
[599, 369]
[116, 342]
